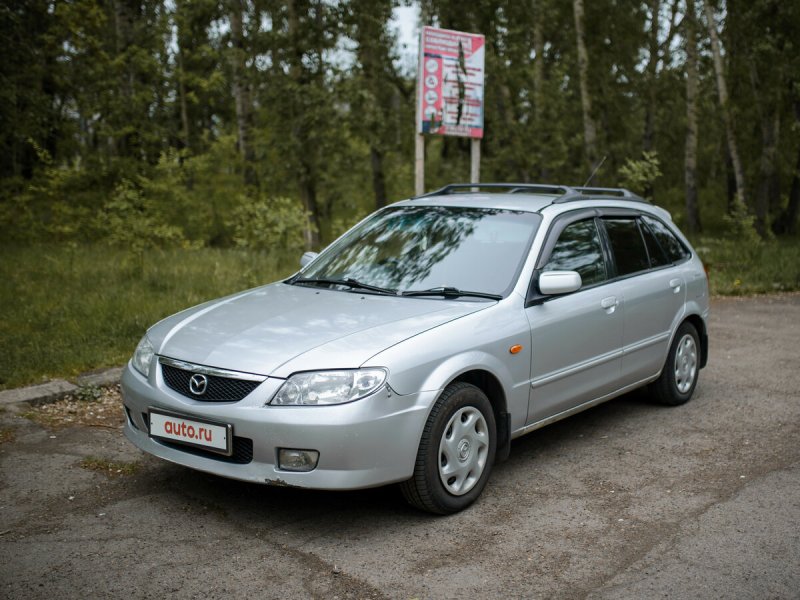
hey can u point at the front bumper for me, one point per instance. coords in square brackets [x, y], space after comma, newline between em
[362, 444]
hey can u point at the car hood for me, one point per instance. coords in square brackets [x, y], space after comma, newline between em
[279, 329]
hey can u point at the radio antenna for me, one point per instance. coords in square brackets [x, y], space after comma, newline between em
[596, 169]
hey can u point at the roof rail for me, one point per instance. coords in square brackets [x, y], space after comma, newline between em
[581, 193]
[512, 188]
[625, 193]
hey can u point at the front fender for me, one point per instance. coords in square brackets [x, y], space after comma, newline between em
[431, 360]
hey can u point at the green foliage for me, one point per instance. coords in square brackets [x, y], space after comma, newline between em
[131, 219]
[639, 175]
[741, 226]
[88, 393]
[116, 110]
[120, 124]
[270, 224]
[53, 206]
[737, 267]
[72, 308]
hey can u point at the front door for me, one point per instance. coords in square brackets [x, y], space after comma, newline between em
[576, 338]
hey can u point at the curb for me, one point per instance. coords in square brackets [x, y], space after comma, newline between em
[52, 391]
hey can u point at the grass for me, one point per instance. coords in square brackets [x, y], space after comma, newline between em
[70, 309]
[109, 468]
[740, 269]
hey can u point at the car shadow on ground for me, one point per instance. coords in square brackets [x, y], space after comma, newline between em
[285, 504]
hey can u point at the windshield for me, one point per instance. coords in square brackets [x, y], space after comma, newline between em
[423, 247]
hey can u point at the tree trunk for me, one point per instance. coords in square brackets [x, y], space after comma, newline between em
[770, 126]
[652, 71]
[367, 21]
[538, 90]
[770, 129]
[787, 221]
[305, 168]
[722, 91]
[241, 94]
[378, 179]
[690, 156]
[122, 34]
[589, 127]
[183, 103]
[308, 195]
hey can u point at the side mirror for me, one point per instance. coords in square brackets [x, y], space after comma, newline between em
[307, 258]
[552, 283]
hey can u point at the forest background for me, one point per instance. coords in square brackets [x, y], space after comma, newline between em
[159, 153]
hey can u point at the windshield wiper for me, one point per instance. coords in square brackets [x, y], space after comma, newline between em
[347, 282]
[451, 292]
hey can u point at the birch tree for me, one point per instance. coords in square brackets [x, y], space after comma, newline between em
[589, 126]
[690, 155]
[240, 84]
[722, 93]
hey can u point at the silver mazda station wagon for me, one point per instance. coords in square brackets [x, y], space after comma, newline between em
[420, 343]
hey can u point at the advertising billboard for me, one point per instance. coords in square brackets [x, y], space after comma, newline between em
[450, 83]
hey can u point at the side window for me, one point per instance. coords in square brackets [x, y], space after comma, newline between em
[578, 249]
[672, 246]
[627, 245]
[658, 257]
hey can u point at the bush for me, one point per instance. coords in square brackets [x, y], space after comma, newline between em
[131, 219]
[270, 224]
[737, 267]
[639, 175]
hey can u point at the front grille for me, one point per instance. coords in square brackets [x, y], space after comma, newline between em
[242, 448]
[219, 389]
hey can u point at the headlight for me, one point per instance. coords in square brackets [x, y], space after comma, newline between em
[329, 387]
[143, 356]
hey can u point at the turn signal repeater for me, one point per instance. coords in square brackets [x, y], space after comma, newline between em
[515, 349]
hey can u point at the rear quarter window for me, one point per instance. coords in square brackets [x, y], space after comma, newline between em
[658, 258]
[669, 242]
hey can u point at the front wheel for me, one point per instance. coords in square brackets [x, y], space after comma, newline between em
[456, 452]
[677, 381]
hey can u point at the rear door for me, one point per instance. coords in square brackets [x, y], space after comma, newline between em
[654, 293]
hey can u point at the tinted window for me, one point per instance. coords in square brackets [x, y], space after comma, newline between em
[627, 245]
[673, 247]
[658, 257]
[578, 249]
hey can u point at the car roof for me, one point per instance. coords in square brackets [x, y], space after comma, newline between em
[529, 197]
[518, 202]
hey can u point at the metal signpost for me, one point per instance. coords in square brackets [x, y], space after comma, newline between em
[449, 93]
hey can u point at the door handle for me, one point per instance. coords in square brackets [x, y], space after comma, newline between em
[675, 284]
[609, 304]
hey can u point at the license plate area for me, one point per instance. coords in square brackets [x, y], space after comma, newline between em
[212, 436]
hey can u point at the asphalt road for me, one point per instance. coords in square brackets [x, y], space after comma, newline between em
[627, 500]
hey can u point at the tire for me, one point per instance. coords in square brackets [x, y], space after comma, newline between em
[456, 452]
[678, 378]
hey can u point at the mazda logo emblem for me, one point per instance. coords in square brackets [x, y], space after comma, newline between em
[198, 384]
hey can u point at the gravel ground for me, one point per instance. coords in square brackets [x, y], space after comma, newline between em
[627, 500]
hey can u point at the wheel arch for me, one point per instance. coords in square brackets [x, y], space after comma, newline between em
[700, 325]
[490, 385]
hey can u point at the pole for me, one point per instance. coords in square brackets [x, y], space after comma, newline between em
[475, 161]
[419, 164]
